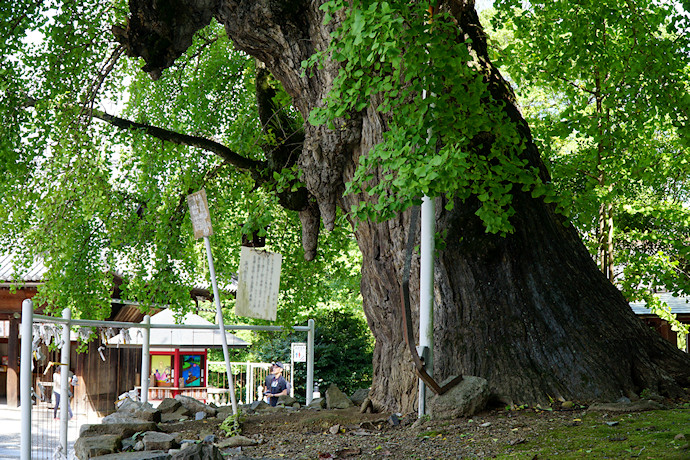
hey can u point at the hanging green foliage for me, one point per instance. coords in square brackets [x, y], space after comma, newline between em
[446, 136]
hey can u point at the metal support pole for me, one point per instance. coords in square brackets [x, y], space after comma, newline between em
[221, 323]
[292, 370]
[25, 377]
[247, 391]
[426, 291]
[145, 360]
[250, 383]
[64, 380]
[310, 362]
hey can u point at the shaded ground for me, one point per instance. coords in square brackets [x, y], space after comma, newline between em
[527, 433]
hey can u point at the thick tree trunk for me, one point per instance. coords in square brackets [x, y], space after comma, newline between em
[531, 313]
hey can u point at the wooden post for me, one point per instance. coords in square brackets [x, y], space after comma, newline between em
[13, 363]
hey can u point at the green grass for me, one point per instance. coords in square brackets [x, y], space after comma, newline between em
[644, 435]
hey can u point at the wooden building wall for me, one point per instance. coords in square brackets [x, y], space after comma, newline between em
[10, 309]
[101, 382]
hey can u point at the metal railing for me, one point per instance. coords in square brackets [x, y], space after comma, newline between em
[26, 383]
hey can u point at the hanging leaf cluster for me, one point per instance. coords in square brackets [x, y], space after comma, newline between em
[446, 134]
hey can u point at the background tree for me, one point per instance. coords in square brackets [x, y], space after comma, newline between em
[522, 305]
[343, 349]
[605, 94]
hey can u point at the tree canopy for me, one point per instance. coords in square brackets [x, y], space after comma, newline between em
[604, 88]
[97, 160]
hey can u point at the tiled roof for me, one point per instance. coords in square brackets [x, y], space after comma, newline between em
[7, 273]
[679, 305]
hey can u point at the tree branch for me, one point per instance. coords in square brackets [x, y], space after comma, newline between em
[229, 156]
[221, 150]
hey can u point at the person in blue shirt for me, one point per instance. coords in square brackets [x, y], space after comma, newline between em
[276, 385]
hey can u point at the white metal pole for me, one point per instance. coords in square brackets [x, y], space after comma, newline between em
[250, 383]
[247, 391]
[426, 290]
[25, 377]
[64, 380]
[221, 323]
[145, 360]
[310, 362]
[292, 370]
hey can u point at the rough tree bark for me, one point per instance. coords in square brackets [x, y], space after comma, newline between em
[531, 312]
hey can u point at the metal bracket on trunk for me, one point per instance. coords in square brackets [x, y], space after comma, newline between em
[407, 316]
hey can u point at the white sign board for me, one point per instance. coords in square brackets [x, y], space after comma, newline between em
[198, 211]
[258, 284]
[299, 352]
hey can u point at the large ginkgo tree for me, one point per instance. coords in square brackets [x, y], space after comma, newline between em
[399, 100]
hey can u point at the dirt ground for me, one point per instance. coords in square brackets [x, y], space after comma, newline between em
[345, 433]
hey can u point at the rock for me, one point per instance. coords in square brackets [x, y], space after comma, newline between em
[139, 411]
[335, 429]
[359, 396]
[124, 430]
[119, 417]
[567, 405]
[259, 405]
[237, 441]
[139, 446]
[154, 440]
[394, 420]
[679, 437]
[296, 405]
[317, 403]
[268, 409]
[624, 400]
[128, 444]
[286, 400]
[464, 399]
[336, 399]
[174, 417]
[169, 405]
[198, 452]
[180, 414]
[225, 411]
[88, 447]
[195, 406]
[637, 406]
[144, 455]
[211, 438]
[200, 415]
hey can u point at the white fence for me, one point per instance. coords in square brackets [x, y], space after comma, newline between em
[27, 394]
[249, 380]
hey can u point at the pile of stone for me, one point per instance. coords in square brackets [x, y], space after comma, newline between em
[137, 431]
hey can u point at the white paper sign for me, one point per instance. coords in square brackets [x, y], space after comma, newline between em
[198, 212]
[258, 284]
[299, 352]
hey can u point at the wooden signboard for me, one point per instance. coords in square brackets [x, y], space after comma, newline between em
[258, 284]
[198, 211]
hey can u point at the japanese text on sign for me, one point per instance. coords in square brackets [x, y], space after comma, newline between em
[258, 284]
